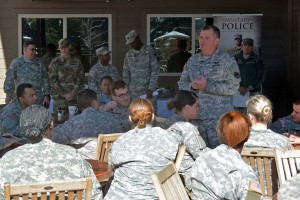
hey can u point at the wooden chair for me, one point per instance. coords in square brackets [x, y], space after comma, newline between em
[50, 190]
[104, 144]
[288, 164]
[168, 184]
[180, 155]
[263, 161]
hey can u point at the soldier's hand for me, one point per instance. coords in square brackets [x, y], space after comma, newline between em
[69, 97]
[110, 105]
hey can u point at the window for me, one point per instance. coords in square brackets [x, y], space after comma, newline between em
[170, 33]
[90, 31]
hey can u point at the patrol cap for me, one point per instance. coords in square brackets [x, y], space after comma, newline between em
[248, 41]
[34, 121]
[102, 51]
[130, 37]
[238, 36]
[63, 43]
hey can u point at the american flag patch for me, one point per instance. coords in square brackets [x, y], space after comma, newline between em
[255, 186]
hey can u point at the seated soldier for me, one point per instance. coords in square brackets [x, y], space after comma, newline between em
[289, 124]
[42, 160]
[10, 114]
[81, 131]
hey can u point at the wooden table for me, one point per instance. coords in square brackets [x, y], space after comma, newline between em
[101, 169]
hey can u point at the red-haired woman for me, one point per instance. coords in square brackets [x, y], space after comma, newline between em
[221, 173]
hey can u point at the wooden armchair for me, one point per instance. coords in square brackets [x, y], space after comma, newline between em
[55, 190]
[104, 144]
[180, 155]
[288, 164]
[263, 161]
[168, 184]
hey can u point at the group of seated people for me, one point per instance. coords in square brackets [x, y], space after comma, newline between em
[59, 153]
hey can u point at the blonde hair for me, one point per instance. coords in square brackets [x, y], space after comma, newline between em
[261, 108]
[141, 112]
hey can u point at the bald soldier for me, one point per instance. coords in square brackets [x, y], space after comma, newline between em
[214, 76]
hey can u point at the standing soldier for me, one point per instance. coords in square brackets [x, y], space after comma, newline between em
[27, 69]
[141, 67]
[65, 76]
[214, 76]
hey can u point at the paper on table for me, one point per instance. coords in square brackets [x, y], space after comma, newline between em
[239, 100]
[144, 96]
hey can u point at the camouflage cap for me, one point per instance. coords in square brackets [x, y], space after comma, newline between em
[130, 37]
[64, 43]
[238, 36]
[248, 41]
[34, 121]
[102, 51]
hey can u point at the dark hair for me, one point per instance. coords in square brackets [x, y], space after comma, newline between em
[106, 77]
[297, 102]
[233, 129]
[215, 30]
[117, 85]
[85, 98]
[182, 98]
[21, 89]
[141, 112]
[27, 43]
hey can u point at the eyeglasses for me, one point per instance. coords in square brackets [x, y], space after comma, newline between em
[122, 96]
[33, 49]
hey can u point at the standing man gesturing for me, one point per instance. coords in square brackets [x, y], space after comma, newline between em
[27, 69]
[214, 76]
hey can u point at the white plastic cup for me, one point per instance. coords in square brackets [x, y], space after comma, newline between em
[72, 110]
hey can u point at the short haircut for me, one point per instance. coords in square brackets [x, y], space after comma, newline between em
[106, 78]
[21, 89]
[182, 98]
[117, 85]
[297, 102]
[215, 30]
[28, 42]
[261, 108]
[85, 98]
[141, 112]
[233, 129]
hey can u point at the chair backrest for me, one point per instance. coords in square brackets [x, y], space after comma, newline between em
[168, 184]
[179, 157]
[104, 144]
[263, 161]
[288, 164]
[51, 190]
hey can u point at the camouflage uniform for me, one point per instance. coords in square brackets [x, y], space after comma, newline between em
[252, 72]
[121, 117]
[290, 189]
[221, 173]
[45, 161]
[65, 76]
[103, 99]
[46, 60]
[194, 146]
[10, 117]
[81, 131]
[33, 72]
[171, 120]
[222, 83]
[141, 70]
[98, 71]
[285, 125]
[267, 138]
[234, 51]
[136, 155]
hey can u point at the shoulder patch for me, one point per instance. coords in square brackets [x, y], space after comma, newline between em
[236, 74]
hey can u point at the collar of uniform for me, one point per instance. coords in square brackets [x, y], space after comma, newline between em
[202, 57]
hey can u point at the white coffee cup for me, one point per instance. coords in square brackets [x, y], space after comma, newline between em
[72, 110]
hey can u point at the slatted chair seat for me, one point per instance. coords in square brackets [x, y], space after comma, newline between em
[288, 164]
[263, 161]
[168, 184]
[51, 190]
